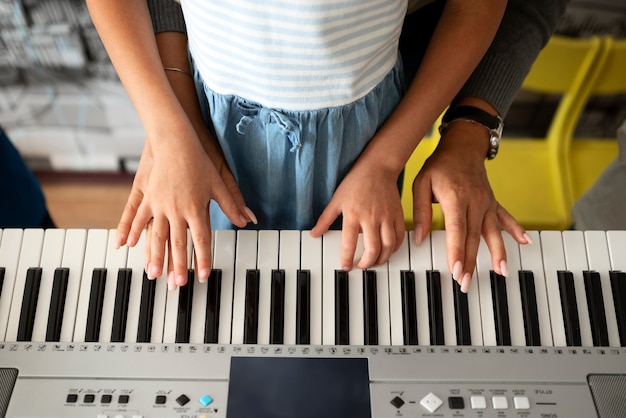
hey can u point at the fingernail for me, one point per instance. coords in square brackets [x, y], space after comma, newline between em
[528, 238]
[118, 240]
[417, 234]
[203, 275]
[465, 283]
[152, 272]
[504, 268]
[251, 215]
[346, 268]
[180, 280]
[171, 285]
[456, 271]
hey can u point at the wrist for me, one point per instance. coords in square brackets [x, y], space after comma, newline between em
[465, 114]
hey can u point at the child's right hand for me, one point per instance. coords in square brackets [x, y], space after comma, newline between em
[170, 194]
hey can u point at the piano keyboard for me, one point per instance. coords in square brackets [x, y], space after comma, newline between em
[69, 293]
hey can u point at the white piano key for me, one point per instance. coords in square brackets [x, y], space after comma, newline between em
[311, 259]
[554, 260]
[267, 260]
[30, 256]
[224, 259]
[399, 261]
[73, 259]
[421, 262]
[355, 297]
[617, 249]
[289, 261]
[115, 260]
[514, 300]
[438, 244]
[599, 260]
[160, 305]
[9, 259]
[576, 262]
[382, 299]
[245, 260]
[331, 254]
[171, 301]
[198, 307]
[51, 258]
[483, 269]
[95, 256]
[531, 260]
[136, 261]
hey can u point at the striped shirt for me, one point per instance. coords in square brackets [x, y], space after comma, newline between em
[294, 54]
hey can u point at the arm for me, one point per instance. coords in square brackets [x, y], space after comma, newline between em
[173, 155]
[459, 41]
[525, 29]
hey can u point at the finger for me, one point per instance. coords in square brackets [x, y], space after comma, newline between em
[493, 238]
[201, 237]
[147, 249]
[180, 256]
[388, 240]
[371, 246]
[349, 239]
[422, 209]
[142, 217]
[475, 226]
[126, 221]
[455, 220]
[157, 246]
[510, 225]
[326, 219]
[234, 210]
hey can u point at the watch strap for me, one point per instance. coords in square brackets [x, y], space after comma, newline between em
[493, 124]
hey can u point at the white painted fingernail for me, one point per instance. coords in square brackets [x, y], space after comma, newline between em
[456, 271]
[251, 215]
[465, 283]
[528, 238]
[417, 234]
[504, 268]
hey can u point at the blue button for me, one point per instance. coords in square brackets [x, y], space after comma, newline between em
[205, 400]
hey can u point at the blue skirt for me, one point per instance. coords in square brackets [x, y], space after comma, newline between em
[289, 163]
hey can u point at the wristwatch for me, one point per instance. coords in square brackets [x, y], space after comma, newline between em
[494, 124]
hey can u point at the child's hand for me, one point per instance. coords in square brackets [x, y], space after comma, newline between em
[171, 193]
[370, 203]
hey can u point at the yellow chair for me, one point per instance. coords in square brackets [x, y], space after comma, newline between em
[589, 157]
[530, 176]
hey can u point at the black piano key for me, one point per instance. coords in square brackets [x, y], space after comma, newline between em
[569, 307]
[251, 318]
[277, 307]
[120, 309]
[29, 304]
[342, 317]
[303, 307]
[500, 308]
[185, 301]
[146, 309]
[2, 270]
[529, 308]
[409, 307]
[57, 304]
[212, 314]
[435, 312]
[96, 300]
[595, 304]
[618, 288]
[370, 307]
[461, 314]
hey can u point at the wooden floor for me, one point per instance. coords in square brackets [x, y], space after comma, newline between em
[85, 200]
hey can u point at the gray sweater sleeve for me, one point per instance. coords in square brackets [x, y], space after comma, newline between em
[167, 16]
[525, 29]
